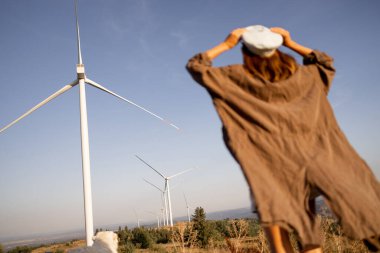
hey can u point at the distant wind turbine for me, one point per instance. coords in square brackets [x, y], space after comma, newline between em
[187, 207]
[82, 80]
[167, 186]
[137, 218]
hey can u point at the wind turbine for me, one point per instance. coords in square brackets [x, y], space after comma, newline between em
[167, 186]
[164, 203]
[81, 80]
[187, 207]
[137, 218]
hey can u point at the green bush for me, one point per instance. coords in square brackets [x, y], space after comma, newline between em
[161, 236]
[221, 227]
[141, 238]
[124, 236]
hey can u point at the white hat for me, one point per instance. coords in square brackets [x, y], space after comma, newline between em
[261, 40]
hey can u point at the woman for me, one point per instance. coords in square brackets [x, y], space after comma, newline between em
[280, 128]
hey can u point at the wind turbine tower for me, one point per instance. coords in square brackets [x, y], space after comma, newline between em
[137, 218]
[81, 80]
[187, 207]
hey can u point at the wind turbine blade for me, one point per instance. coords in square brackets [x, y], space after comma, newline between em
[180, 173]
[78, 35]
[56, 94]
[96, 85]
[153, 185]
[150, 167]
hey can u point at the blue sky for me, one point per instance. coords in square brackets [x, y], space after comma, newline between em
[138, 48]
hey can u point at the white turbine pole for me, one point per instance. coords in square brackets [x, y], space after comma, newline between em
[137, 217]
[166, 220]
[162, 215]
[187, 207]
[86, 165]
[89, 220]
[169, 200]
[170, 204]
[188, 214]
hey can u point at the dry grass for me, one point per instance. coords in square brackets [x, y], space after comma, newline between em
[237, 230]
[61, 247]
[335, 242]
[184, 237]
[184, 241]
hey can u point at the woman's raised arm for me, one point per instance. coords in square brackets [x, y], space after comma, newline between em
[288, 42]
[231, 41]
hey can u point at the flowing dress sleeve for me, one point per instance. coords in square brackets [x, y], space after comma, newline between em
[324, 64]
[201, 69]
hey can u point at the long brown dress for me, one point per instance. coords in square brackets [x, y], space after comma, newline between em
[288, 143]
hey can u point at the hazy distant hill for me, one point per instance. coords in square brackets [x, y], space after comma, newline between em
[245, 212]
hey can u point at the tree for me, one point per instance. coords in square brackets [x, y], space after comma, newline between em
[201, 226]
[199, 216]
[1, 248]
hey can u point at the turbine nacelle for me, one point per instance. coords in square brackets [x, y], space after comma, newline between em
[80, 71]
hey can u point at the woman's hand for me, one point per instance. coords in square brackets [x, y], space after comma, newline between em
[284, 33]
[234, 37]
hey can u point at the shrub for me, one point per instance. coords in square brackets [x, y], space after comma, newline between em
[141, 238]
[162, 236]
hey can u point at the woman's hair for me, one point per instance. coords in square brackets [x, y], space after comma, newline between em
[277, 67]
